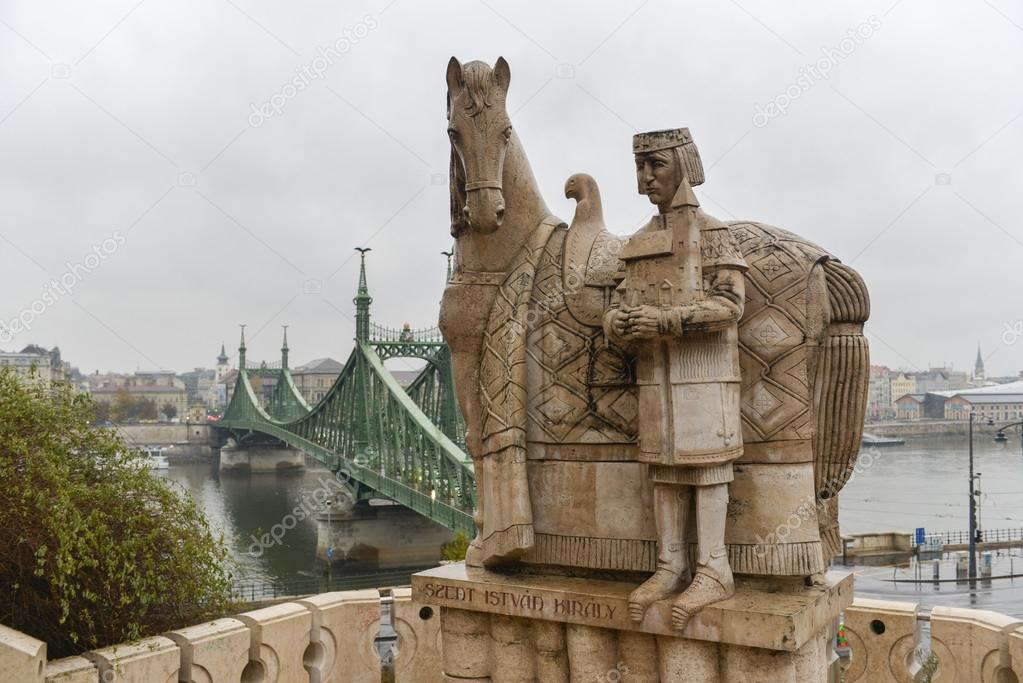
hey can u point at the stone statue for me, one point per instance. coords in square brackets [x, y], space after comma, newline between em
[677, 311]
[691, 396]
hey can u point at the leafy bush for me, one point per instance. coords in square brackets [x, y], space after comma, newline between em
[94, 550]
[454, 550]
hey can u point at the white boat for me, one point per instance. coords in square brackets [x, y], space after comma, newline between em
[157, 460]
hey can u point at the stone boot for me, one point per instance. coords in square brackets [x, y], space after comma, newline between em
[713, 582]
[671, 509]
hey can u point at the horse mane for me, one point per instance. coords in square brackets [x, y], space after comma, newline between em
[478, 81]
[456, 183]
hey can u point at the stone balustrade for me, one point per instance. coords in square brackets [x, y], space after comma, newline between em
[889, 644]
[330, 638]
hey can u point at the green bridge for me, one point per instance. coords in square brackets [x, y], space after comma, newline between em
[386, 441]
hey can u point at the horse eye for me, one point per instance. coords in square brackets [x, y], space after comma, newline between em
[507, 133]
[453, 135]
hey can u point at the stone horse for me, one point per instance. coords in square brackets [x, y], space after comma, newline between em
[551, 407]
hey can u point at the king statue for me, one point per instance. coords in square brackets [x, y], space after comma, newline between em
[676, 313]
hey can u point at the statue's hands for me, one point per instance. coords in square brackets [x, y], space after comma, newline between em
[643, 323]
[616, 325]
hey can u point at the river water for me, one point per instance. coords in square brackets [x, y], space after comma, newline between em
[925, 484]
[245, 507]
[920, 484]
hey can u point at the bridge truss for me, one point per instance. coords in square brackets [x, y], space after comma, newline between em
[405, 444]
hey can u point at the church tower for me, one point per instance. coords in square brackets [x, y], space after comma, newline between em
[978, 367]
[222, 363]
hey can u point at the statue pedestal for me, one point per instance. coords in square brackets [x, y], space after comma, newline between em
[504, 628]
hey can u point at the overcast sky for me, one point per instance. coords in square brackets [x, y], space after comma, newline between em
[128, 133]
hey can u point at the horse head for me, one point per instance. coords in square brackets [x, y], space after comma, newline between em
[480, 130]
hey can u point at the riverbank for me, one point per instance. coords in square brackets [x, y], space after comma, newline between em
[927, 428]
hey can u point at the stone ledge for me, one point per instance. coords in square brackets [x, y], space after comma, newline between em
[783, 619]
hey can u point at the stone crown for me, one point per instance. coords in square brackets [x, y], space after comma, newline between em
[660, 139]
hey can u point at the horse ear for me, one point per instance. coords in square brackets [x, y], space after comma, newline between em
[502, 74]
[454, 75]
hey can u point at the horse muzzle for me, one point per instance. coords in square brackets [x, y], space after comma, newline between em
[484, 209]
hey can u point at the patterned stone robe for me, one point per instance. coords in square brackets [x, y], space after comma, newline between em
[685, 264]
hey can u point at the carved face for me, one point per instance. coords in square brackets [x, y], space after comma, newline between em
[658, 176]
[479, 129]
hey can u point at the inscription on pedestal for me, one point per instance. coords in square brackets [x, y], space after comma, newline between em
[524, 602]
[785, 619]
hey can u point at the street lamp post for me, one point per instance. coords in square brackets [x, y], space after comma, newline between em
[978, 491]
[973, 512]
[973, 504]
[330, 546]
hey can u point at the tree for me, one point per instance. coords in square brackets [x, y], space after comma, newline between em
[123, 406]
[94, 550]
[169, 410]
[101, 410]
[146, 409]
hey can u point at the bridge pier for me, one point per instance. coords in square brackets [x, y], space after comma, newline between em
[260, 457]
[387, 536]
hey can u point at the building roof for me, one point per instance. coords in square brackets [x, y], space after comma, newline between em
[324, 365]
[405, 377]
[919, 398]
[987, 399]
[35, 349]
[140, 389]
[1012, 388]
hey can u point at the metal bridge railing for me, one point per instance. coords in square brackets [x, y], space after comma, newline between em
[427, 335]
[263, 365]
[439, 511]
[260, 589]
[986, 536]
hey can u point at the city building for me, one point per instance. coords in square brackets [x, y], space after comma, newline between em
[219, 391]
[314, 379]
[164, 390]
[978, 366]
[197, 384]
[921, 394]
[223, 364]
[406, 377]
[941, 379]
[223, 389]
[902, 383]
[909, 407]
[46, 365]
[1000, 403]
[879, 394]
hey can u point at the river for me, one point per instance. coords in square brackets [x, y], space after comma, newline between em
[920, 484]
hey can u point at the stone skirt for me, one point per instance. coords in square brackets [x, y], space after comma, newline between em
[692, 476]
